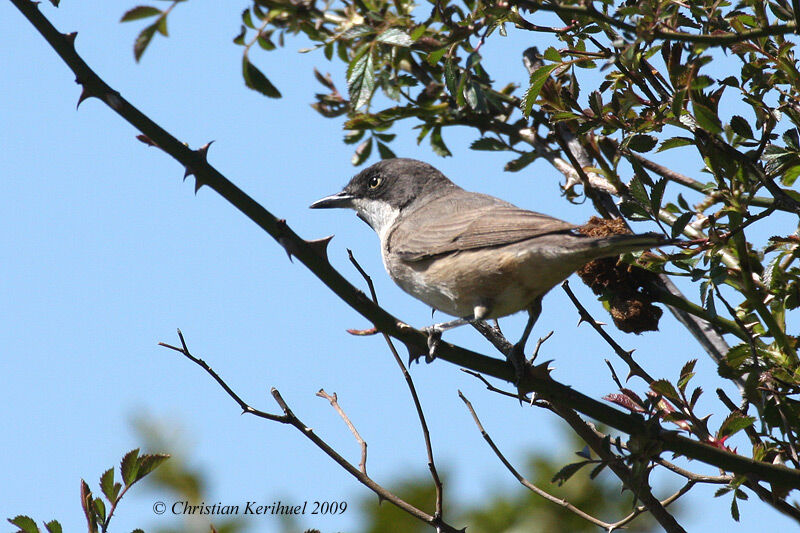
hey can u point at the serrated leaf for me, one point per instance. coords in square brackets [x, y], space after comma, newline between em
[396, 37]
[675, 142]
[515, 165]
[706, 118]
[665, 389]
[642, 143]
[437, 143]
[680, 224]
[361, 79]
[362, 152]
[722, 491]
[734, 423]
[140, 12]
[638, 191]
[255, 79]
[488, 144]
[25, 523]
[656, 195]
[53, 526]
[450, 77]
[567, 472]
[99, 509]
[143, 40]
[596, 470]
[537, 81]
[695, 396]
[734, 510]
[353, 137]
[687, 373]
[385, 152]
[107, 484]
[741, 127]
[551, 54]
[149, 462]
[129, 466]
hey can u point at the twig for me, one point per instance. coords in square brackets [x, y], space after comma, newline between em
[290, 418]
[522, 479]
[633, 367]
[334, 401]
[437, 482]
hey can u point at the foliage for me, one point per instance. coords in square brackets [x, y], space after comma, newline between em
[656, 93]
[133, 468]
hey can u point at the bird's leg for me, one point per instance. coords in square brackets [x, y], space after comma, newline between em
[435, 331]
[517, 355]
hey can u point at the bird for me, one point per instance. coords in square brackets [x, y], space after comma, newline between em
[466, 254]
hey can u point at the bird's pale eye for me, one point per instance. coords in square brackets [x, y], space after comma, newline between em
[374, 182]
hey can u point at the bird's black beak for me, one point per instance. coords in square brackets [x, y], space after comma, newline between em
[340, 199]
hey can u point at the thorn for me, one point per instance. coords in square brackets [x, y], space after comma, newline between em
[85, 94]
[320, 246]
[414, 353]
[362, 332]
[187, 173]
[433, 310]
[197, 183]
[70, 38]
[203, 150]
[146, 140]
[287, 245]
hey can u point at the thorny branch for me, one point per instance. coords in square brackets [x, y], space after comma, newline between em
[290, 418]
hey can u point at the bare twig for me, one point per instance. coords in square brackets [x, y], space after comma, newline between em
[437, 482]
[334, 401]
[290, 418]
[522, 479]
[633, 367]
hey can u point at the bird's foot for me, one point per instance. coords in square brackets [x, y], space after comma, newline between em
[434, 339]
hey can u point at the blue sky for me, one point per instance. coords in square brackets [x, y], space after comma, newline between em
[105, 251]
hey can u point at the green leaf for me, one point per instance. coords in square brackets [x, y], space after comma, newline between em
[53, 526]
[734, 509]
[385, 152]
[149, 462]
[538, 79]
[25, 523]
[665, 389]
[437, 143]
[107, 484]
[129, 466]
[656, 195]
[362, 152]
[255, 79]
[247, 18]
[451, 77]
[706, 118]
[434, 57]
[100, 509]
[143, 40]
[361, 78]
[675, 142]
[741, 127]
[790, 175]
[642, 143]
[551, 54]
[396, 37]
[567, 472]
[687, 373]
[161, 25]
[638, 191]
[488, 144]
[680, 224]
[515, 165]
[140, 12]
[734, 423]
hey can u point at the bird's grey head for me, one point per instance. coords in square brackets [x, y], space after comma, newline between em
[381, 192]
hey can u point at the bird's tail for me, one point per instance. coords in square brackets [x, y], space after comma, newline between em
[612, 245]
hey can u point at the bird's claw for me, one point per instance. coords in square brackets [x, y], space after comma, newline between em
[434, 339]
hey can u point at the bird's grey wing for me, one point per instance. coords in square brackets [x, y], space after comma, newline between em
[467, 221]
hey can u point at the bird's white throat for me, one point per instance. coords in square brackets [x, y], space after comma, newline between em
[378, 214]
